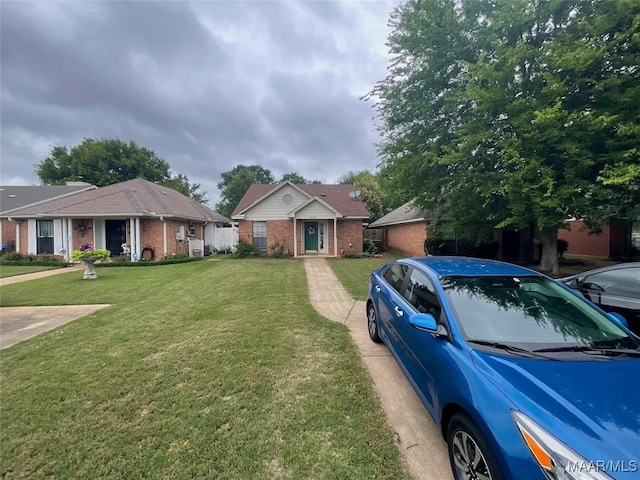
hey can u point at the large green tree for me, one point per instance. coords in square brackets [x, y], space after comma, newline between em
[371, 194]
[104, 162]
[503, 113]
[235, 184]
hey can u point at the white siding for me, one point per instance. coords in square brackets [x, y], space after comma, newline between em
[315, 210]
[274, 208]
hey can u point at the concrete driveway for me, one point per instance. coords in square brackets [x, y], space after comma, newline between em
[419, 440]
[19, 323]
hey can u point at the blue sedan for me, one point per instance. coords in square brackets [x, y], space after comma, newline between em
[526, 379]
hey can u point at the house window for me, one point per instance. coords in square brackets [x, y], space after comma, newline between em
[44, 230]
[260, 235]
[192, 229]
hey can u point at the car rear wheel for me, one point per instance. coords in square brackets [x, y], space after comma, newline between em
[469, 452]
[372, 323]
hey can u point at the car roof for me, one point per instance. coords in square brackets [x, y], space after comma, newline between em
[617, 266]
[446, 266]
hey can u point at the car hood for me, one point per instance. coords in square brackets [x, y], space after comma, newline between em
[592, 406]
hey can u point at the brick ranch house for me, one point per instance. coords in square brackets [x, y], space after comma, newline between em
[618, 238]
[149, 219]
[15, 197]
[309, 219]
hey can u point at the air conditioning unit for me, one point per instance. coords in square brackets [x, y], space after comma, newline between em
[180, 233]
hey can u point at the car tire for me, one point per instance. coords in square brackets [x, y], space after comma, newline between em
[469, 451]
[372, 324]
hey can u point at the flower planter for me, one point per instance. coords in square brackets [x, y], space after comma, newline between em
[89, 270]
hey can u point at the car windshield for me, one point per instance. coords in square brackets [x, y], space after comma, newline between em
[530, 312]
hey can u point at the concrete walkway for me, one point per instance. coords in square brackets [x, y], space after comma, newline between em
[418, 438]
[35, 275]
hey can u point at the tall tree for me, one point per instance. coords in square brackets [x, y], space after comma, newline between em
[235, 184]
[104, 162]
[296, 179]
[509, 112]
[372, 195]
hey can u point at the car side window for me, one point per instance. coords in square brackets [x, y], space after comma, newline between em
[395, 274]
[421, 293]
[624, 282]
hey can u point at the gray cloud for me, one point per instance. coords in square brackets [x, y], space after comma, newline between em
[206, 85]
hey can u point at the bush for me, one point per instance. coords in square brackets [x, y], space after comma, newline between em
[563, 245]
[370, 247]
[166, 260]
[278, 250]
[244, 250]
[435, 246]
[17, 259]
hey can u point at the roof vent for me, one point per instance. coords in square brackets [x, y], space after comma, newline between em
[11, 196]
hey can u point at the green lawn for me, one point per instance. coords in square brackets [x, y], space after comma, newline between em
[216, 369]
[354, 273]
[11, 270]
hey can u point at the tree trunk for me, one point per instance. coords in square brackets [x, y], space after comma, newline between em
[549, 261]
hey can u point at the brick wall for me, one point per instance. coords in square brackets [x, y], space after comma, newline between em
[280, 231]
[350, 236]
[408, 238]
[9, 234]
[581, 243]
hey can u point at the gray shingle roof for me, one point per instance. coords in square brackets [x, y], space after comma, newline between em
[20, 196]
[407, 213]
[133, 198]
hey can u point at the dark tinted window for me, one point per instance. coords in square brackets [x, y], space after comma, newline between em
[394, 275]
[532, 311]
[421, 293]
[624, 282]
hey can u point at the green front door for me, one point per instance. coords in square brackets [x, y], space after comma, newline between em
[311, 237]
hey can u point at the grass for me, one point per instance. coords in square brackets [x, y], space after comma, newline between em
[12, 270]
[354, 273]
[217, 370]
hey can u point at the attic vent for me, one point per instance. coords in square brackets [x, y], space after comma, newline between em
[323, 194]
[11, 196]
[163, 192]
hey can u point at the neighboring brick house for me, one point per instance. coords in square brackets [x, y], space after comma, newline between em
[15, 197]
[309, 219]
[619, 238]
[405, 229]
[151, 220]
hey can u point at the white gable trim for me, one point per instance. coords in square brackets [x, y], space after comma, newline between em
[240, 214]
[292, 213]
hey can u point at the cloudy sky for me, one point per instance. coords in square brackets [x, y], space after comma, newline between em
[206, 85]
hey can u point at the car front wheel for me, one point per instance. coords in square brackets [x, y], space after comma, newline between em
[372, 323]
[469, 452]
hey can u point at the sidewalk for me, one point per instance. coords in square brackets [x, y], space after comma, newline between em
[43, 274]
[418, 438]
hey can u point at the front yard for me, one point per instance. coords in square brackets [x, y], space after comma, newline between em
[216, 369]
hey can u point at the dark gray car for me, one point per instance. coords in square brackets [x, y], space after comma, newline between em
[614, 289]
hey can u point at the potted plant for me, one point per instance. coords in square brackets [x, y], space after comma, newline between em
[88, 255]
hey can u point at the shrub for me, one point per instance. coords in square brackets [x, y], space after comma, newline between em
[244, 250]
[563, 245]
[370, 247]
[17, 259]
[435, 246]
[278, 250]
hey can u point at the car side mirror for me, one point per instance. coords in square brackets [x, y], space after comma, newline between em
[424, 321]
[619, 319]
[573, 283]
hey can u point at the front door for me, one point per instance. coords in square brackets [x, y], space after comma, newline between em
[311, 237]
[116, 235]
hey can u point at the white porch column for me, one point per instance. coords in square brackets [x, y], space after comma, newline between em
[295, 237]
[335, 236]
[138, 243]
[132, 238]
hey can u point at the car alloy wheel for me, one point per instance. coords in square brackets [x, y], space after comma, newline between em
[469, 454]
[372, 324]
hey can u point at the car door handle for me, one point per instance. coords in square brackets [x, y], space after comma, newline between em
[399, 312]
[377, 289]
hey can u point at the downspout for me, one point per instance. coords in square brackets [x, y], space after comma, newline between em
[295, 236]
[164, 235]
[18, 223]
